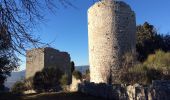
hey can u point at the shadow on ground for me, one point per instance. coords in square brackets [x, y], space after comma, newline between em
[49, 96]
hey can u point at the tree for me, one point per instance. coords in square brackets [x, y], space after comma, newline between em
[156, 67]
[17, 20]
[77, 74]
[8, 62]
[72, 66]
[18, 87]
[19, 17]
[149, 40]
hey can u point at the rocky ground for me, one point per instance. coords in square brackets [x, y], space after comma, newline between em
[49, 96]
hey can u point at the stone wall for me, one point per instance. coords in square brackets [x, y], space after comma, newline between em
[111, 33]
[158, 90]
[110, 92]
[34, 61]
[37, 59]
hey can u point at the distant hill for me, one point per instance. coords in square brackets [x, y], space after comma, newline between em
[82, 68]
[15, 76]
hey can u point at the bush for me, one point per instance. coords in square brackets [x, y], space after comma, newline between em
[18, 87]
[29, 84]
[156, 67]
[64, 80]
[158, 60]
[144, 77]
[77, 74]
[47, 80]
[72, 67]
[87, 75]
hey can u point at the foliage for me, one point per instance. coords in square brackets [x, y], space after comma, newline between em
[18, 87]
[156, 67]
[149, 40]
[128, 59]
[18, 18]
[87, 75]
[77, 74]
[72, 67]
[158, 60]
[28, 83]
[47, 79]
[8, 62]
[64, 80]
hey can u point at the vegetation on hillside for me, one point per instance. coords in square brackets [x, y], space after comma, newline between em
[149, 40]
[156, 67]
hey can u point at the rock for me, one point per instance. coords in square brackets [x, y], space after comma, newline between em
[29, 92]
[74, 85]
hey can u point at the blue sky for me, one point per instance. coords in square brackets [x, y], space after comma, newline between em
[67, 30]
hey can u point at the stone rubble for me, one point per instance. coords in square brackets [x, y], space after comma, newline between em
[158, 90]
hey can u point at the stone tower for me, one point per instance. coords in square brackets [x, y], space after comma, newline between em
[40, 58]
[111, 33]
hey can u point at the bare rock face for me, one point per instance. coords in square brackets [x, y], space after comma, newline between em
[39, 58]
[111, 33]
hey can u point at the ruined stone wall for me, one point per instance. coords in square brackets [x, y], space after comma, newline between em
[111, 33]
[37, 59]
[34, 61]
[61, 60]
[158, 90]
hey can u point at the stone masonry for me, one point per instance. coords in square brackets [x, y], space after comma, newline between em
[158, 90]
[112, 34]
[39, 58]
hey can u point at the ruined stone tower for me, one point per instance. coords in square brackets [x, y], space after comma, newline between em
[111, 33]
[40, 58]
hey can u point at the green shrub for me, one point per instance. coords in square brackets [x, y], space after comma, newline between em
[29, 84]
[138, 68]
[64, 80]
[87, 75]
[48, 79]
[72, 67]
[156, 67]
[158, 60]
[18, 87]
[77, 74]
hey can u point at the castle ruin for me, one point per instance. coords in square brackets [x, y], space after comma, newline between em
[112, 34]
[40, 58]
